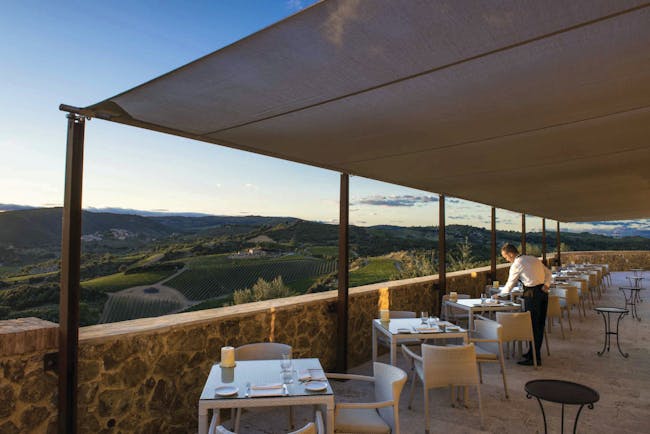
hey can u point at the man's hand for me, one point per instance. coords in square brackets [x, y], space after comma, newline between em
[495, 296]
[546, 289]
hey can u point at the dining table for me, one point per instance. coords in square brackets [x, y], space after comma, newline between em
[475, 306]
[262, 383]
[412, 329]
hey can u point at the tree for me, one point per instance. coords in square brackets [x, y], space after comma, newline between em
[262, 290]
[415, 264]
[462, 258]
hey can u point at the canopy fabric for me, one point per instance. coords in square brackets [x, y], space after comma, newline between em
[536, 107]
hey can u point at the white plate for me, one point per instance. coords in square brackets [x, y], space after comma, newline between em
[226, 390]
[316, 386]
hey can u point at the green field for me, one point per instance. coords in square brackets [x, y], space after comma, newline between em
[125, 307]
[331, 251]
[118, 281]
[217, 275]
[377, 270]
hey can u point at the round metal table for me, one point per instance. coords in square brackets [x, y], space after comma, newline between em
[561, 392]
[605, 312]
[633, 299]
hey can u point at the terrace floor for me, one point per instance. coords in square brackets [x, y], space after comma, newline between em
[623, 384]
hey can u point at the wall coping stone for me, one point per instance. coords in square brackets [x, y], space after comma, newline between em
[26, 335]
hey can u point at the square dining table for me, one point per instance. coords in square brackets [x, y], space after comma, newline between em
[475, 305]
[249, 373]
[409, 328]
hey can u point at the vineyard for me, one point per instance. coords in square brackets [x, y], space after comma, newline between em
[124, 307]
[214, 278]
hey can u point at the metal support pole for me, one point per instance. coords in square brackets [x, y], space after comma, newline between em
[544, 241]
[559, 257]
[493, 247]
[342, 305]
[523, 233]
[442, 250]
[70, 275]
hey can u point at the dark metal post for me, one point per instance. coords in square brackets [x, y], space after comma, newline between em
[544, 241]
[70, 274]
[523, 233]
[559, 258]
[493, 247]
[342, 307]
[442, 250]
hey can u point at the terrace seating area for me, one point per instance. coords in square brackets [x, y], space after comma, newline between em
[623, 384]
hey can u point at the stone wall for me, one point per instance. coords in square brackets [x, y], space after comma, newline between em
[28, 394]
[146, 375]
[618, 261]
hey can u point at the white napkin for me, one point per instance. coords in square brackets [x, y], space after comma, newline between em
[402, 330]
[266, 386]
[427, 329]
[312, 374]
[260, 390]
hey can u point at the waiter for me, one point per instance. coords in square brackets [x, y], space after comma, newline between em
[536, 279]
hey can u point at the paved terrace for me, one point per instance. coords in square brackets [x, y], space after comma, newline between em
[623, 384]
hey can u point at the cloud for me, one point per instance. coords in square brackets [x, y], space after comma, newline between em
[145, 213]
[13, 207]
[251, 186]
[396, 201]
[295, 5]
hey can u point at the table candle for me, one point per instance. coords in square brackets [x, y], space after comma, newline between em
[227, 357]
[384, 315]
[453, 296]
[495, 284]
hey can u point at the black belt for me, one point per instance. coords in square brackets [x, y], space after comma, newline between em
[529, 290]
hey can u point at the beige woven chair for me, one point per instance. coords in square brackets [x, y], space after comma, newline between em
[261, 351]
[568, 299]
[488, 344]
[316, 427]
[444, 366]
[553, 311]
[517, 327]
[380, 416]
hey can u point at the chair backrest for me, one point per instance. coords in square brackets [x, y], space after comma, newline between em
[517, 326]
[310, 428]
[553, 308]
[389, 382]
[401, 314]
[262, 350]
[571, 294]
[444, 366]
[488, 329]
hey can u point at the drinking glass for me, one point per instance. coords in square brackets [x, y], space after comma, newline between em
[424, 317]
[433, 320]
[286, 364]
[483, 297]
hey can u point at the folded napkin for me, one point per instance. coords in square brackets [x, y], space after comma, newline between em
[312, 374]
[266, 386]
[427, 329]
[404, 330]
[260, 390]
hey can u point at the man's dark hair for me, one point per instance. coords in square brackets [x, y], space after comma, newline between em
[509, 248]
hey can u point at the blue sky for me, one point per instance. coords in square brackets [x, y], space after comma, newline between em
[79, 53]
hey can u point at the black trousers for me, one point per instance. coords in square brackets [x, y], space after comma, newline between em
[536, 302]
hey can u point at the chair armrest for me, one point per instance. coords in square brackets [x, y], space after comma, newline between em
[380, 404]
[483, 340]
[411, 354]
[337, 376]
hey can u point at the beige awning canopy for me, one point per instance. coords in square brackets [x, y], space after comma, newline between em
[540, 107]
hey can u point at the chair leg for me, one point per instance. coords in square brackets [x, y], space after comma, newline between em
[426, 409]
[291, 425]
[412, 389]
[562, 328]
[568, 315]
[480, 373]
[534, 353]
[480, 404]
[503, 374]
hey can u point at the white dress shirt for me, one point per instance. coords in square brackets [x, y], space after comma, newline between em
[529, 270]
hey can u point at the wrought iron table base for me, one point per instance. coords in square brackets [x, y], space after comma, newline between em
[590, 406]
[633, 299]
[608, 332]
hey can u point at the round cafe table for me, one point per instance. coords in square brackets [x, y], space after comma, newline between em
[561, 392]
[606, 312]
